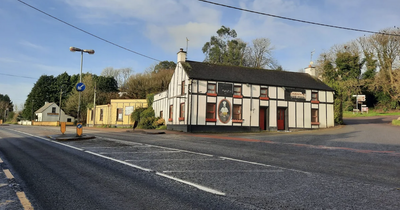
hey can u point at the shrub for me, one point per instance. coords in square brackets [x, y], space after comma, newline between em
[147, 123]
[396, 122]
[149, 112]
[163, 127]
[159, 122]
[135, 116]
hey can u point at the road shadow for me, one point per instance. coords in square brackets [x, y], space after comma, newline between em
[370, 120]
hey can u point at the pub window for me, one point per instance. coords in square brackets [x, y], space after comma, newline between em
[314, 117]
[69, 120]
[91, 115]
[53, 110]
[314, 96]
[264, 93]
[210, 112]
[182, 112]
[119, 114]
[211, 89]
[237, 91]
[171, 107]
[237, 112]
[183, 88]
[101, 114]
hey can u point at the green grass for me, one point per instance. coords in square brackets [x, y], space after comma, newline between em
[371, 113]
[396, 122]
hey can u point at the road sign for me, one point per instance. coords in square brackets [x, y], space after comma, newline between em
[80, 87]
[79, 129]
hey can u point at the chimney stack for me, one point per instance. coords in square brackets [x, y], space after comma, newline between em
[181, 56]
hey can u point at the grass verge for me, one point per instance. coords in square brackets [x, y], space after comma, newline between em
[371, 113]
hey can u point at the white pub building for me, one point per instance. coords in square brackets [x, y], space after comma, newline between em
[204, 97]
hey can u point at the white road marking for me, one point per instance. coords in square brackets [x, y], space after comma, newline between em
[200, 187]
[261, 164]
[103, 153]
[149, 160]
[224, 158]
[207, 189]
[224, 171]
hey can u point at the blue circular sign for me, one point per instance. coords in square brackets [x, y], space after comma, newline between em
[80, 87]
[79, 125]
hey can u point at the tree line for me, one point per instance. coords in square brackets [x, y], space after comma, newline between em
[225, 48]
[368, 65]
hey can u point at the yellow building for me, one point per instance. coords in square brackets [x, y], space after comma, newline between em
[117, 113]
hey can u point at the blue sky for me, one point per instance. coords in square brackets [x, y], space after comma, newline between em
[33, 44]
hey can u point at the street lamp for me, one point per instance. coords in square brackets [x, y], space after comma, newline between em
[75, 49]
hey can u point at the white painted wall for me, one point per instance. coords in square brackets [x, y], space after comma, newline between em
[282, 103]
[321, 96]
[329, 97]
[246, 112]
[272, 92]
[308, 95]
[246, 90]
[202, 86]
[300, 115]
[331, 119]
[322, 115]
[292, 114]
[202, 109]
[307, 115]
[256, 91]
[281, 93]
[255, 113]
[272, 113]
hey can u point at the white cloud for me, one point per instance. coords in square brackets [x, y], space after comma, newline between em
[7, 60]
[171, 38]
[31, 45]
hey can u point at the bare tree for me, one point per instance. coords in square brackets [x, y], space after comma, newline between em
[259, 54]
[120, 75]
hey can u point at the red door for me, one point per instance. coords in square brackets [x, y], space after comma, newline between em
[281, 118]
[262, 119]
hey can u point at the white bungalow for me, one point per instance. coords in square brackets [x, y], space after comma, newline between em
[50, 112]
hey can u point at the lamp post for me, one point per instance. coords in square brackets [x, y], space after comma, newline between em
[75, 49]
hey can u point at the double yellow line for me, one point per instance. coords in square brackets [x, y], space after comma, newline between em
[21, 195]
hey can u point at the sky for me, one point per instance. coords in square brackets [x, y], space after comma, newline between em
[33, 44]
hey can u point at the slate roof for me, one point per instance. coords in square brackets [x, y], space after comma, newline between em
[44, 107]
[225, 73]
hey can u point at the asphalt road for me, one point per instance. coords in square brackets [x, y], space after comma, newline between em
[352, 167]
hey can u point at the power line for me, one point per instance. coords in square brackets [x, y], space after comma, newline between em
[11, 75]
[84, 31]
[298, 20]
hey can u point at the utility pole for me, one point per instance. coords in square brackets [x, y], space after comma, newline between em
[94, 102]
[59, 114]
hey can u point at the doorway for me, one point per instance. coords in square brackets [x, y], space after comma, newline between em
[263, 118]
[281, 118]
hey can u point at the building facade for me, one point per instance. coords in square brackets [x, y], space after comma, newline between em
[117, 113]
[51, 112]
[205, 97]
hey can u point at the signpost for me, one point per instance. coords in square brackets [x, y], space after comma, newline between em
[360, 98]
[79, 129]
[80, 87]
